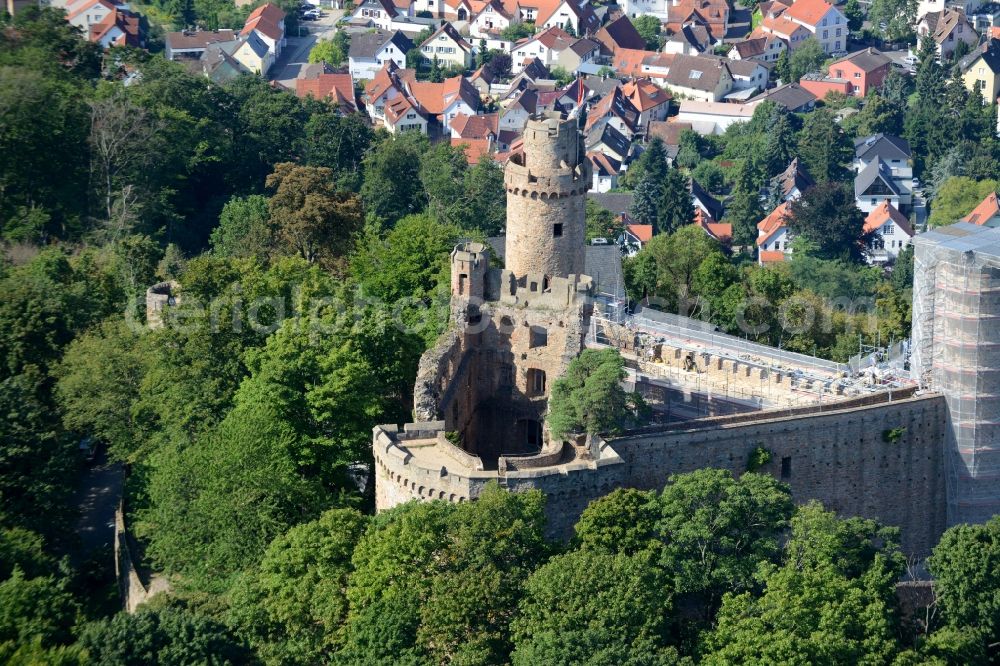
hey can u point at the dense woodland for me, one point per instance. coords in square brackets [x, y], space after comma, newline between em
[312, 254]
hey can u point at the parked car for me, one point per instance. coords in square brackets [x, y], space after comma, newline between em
[309, 16]
[599, 241]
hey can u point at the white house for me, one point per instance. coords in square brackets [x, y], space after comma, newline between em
[826, 23]
[492, 19]
[369, 51]
[875, 184]
[545, 47]
[636, 8]
[380, 13]
[767, 48]
[580, 17]
[268, 23]
[773, 236]
[891, 232]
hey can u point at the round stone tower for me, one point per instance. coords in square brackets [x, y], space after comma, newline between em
[547, 187]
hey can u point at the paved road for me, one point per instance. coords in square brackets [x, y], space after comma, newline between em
[296, 52]
[98, 496]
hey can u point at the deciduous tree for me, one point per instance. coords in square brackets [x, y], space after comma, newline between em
[311, 218]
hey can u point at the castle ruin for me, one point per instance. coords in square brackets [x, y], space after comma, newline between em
[890, 451]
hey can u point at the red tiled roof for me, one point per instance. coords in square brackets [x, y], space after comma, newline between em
[772, 223]
[629, 62]
[644, 232]
[475, 127]
[986, 210]
[266, 20]
[770, 256]
[644, 94]
[474, 148]
[883, 212]
[436, 97]
[808, 11]
[779, 25]
[338, 88]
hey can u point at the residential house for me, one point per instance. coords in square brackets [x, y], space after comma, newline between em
[609, 141]
[544, 47]
[705, 202]
[606, 170]
[218, 64]
[669, 133]
[691, 39]
[749, 78]
[874, 184]
[791, 96]
[474, 150]
[85, 13]
[947, 28]
[712, 15]
[449, 47]
[253, 53]
[721, 232]
[826, 23]
[767, 48]
[708, 118]
[617, 110]
[619, 34]
[792, 182]
[792, 33]
[890, 232]
[335, 87]
[515, 113]
[865, 70]
[636, 8]
[403, 114]
[444, 101]
[630, 63]
[388, 84]
[580, 17]
[268, 23]
[895, 156]
[634, 238]
[702, 78]
[986, 214]
[485, 127]
[379, 13]
[981, 70]
[119, 28]
[482, 79]
[652, 101]
[580, 52]
[491, 20]
[191, 45]
[370, 50]
[892, 150]
[773, 236]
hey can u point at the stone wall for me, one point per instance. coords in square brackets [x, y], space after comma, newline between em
[849, 459]
[841, 458]
[131, 589]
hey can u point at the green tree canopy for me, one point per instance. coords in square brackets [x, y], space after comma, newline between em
[167, 636]
[957, 197]
[827, 217]
[594, 607]
[589, 397]
[291, 606]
